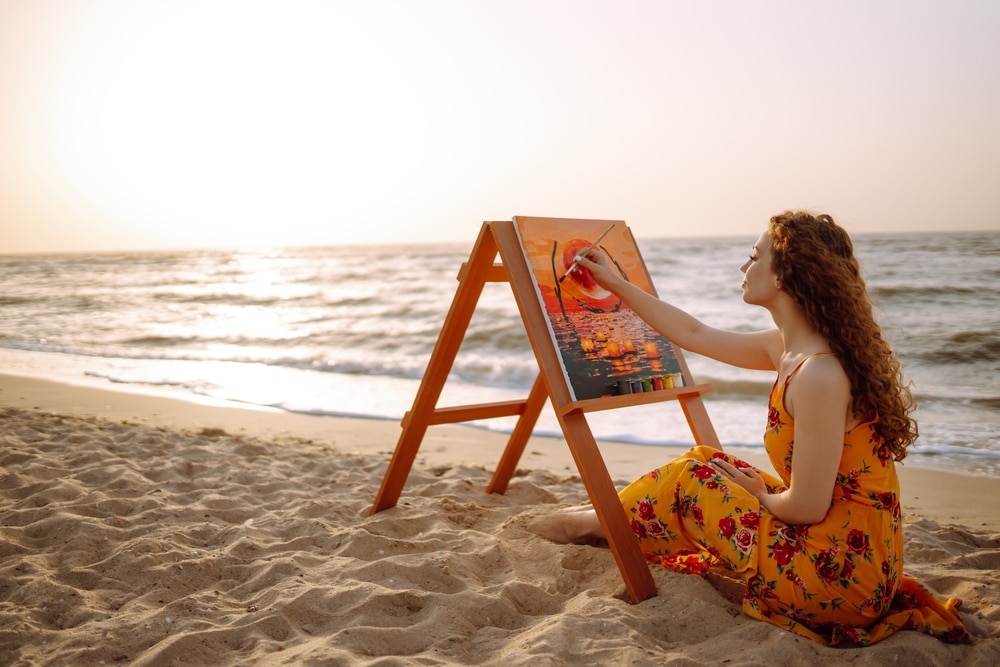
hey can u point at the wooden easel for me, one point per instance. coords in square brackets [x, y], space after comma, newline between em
[550, 384]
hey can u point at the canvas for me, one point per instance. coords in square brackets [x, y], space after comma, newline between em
[604, 347]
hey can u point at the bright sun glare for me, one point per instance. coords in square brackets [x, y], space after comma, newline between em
[220, 138]
[206, 123]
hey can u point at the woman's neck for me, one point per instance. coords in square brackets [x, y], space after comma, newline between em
[798, 336]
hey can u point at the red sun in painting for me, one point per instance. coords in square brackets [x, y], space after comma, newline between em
[581, 278]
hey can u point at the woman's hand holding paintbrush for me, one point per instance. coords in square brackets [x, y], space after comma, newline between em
[576, 260]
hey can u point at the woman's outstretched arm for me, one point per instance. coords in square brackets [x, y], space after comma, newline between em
[759, 350]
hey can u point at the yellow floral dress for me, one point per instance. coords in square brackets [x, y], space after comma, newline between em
[837, 581]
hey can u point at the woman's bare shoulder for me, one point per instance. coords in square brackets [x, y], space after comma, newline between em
[822, 371]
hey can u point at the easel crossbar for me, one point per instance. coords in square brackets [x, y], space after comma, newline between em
[645, 398]
[464, 413]
[494, 274]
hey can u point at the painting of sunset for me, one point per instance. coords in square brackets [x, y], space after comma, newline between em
[604, 347]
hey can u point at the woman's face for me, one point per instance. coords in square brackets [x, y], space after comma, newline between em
[759, 281]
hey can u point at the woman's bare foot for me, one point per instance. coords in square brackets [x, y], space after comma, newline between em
[574, 525]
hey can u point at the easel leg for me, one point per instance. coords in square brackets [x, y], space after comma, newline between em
[698, 420]
[519, 438]
[449, 341]
[635, 571]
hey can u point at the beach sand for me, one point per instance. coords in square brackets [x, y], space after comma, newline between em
[145, 530]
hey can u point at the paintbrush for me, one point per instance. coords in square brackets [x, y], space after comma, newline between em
[580, 254]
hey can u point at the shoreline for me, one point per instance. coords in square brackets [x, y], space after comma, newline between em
[939, 495]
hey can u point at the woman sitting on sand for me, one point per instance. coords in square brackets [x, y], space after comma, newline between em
[820, 545]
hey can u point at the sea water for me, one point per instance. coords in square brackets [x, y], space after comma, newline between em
[349, 331]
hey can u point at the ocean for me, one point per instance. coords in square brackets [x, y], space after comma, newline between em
[349, 330]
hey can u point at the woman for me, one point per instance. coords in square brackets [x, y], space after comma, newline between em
[820, 550]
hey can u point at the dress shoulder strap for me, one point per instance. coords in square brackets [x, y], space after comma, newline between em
[799, 365]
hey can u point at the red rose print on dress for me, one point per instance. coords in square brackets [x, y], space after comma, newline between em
[698, 515]
[745, 540]
[887, 500]
[826, 567]
[727, 526]
[882, 452]
[783, 553]
[796, 580]
[773, 419]
[704, 472]
[655, 528]
[858, 543]
[848, 633]
[793, 535]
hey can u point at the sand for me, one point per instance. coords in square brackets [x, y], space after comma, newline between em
[144, 530]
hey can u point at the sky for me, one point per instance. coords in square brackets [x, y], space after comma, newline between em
[136, 124]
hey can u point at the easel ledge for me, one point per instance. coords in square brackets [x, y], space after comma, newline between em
[551, 384]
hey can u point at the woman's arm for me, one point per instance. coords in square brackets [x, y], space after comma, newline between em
[758, 350]
[819, 398]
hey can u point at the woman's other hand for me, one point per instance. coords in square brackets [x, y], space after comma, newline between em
[747, 477]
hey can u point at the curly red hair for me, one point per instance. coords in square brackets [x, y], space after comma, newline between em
[814, 260]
